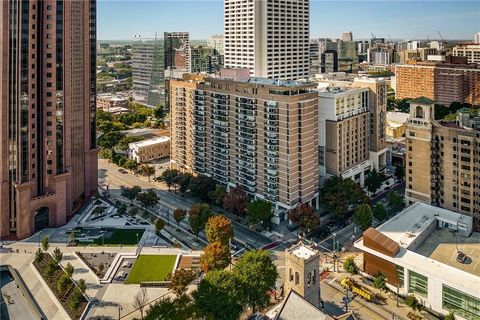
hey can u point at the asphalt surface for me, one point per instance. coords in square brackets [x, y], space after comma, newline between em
[17, 308]
[111, 175]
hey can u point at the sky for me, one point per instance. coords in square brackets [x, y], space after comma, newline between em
[121, 19]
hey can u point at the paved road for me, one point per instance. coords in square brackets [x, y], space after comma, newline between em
[111, 176]
[17, 308]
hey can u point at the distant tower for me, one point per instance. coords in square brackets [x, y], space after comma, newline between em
[347, 36]
[302, 273]
[476, 37]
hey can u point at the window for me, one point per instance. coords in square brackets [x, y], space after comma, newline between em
[417, 283]
[460, 303]
[297, 278]
[401, 275]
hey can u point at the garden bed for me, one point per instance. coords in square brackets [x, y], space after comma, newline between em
[64, 298]
[114, 237]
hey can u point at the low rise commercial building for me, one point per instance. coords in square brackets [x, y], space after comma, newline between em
[112, 103]
[396, 122]
[430, 252]
[149, 150]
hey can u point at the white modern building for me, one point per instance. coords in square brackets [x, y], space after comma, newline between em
[430, 252]
[217, 42]
[270, 38]
[476, 37]
[150, 149]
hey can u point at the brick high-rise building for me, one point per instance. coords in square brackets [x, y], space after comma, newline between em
[443, 82]
[259, 133]
[48, 163]
[270, 38]
[442, 160]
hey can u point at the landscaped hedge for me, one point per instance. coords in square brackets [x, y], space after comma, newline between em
[51, 272]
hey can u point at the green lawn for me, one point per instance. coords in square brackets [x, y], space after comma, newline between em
[151, 268]
[127, 237]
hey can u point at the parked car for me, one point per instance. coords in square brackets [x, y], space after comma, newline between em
[462, 257]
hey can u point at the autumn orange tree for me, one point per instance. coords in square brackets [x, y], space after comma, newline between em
[179, 214]
[219, 229]
[215, 257]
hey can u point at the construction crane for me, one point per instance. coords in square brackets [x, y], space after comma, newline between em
[440, 36]
[390, 38]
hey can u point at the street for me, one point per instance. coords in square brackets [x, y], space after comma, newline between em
[109, 175]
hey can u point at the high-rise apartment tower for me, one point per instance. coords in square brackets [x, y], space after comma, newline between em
[48, 163]
[270, 38]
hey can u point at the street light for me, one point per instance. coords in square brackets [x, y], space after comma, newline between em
[119, 309]
[137, 239]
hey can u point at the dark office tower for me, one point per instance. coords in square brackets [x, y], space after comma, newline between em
[48, 152]
[329, 61]
[348, 56]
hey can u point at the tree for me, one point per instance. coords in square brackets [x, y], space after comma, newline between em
[182, 180]
[219, 229]
[412, 302]
[395, 202]
[373, 181]
[363, 216]
[131, 193]
[449, 316]
[179, 308]
[216, 196]
[159, 113]
[140, 300]
[81, 285]
[121, 209]
[100, 268]
[338, 194]
[201, 186]
[350, 266]
[179, 214]
[63, 283]
[216, 256]
[399, 172]
[51, 267]
[72, 237]
[180, 280]
[147, 171]
[259, 211]
[133, 211]
[257, 275]
[380, 282]
[159, 225]
[198, 216]
[75, 299]
[235, 201]
[304, 216]
[148, 198]
[219, 296]
[69, 269]
[168, 176]
[131, 165]
[45, 243]
[110, 139]
[379, 212]
[57, 255]
[38, 256]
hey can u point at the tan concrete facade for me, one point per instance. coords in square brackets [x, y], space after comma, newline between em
[442, 82]
[47, 128]
[259, 134]
[442, 166]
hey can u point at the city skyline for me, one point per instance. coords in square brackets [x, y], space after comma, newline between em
[454, 20]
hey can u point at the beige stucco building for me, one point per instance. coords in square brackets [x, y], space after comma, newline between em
[259, 133]
[149, 150]
[396, 122]
[469, 50]
[442, 166]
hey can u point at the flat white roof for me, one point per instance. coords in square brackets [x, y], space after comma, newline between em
[399, 117]
[303, 252]
[148, 142]
[406, 226]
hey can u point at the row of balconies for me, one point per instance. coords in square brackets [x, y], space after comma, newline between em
[245, 164]
[245, 124]
[251, 172]
[243, 146]
[251, 113]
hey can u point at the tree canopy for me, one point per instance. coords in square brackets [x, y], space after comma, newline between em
[363, 216]
[198, 216]
[338, 194]
[219, 229]
[216, 256]
[236, 201]
[305, 216]
[259, 211]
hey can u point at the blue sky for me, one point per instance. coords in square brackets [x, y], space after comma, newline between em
[120, 19]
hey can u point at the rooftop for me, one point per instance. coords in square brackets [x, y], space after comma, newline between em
[277, 82]
[422, 100]
[303, 252]
[295, 307]
[428, 244]
[148, 142]
[398, 117]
